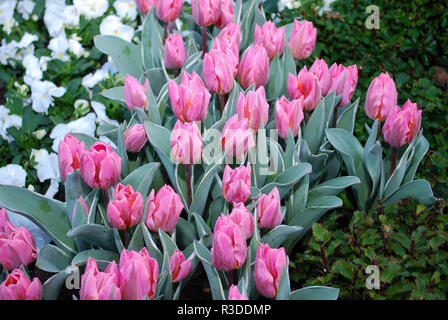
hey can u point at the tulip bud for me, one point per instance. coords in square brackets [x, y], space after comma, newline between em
[288, 115]
[205, 12]
[302, 40]
[17, 244]
[236, 183]
[186, 143]
[269, 211]
[269, 264]
[225, 14]
[234, 294]
[229, 250]
[243, 218]
[174, 52]
[343, 82]
[168, 10]
[84, 206]
[179, 267]
[163, 210]
[145, 5]
[96, 285]
[231, 34]
[100, 166]
[17, 286]
[135, 138]
[218, 71]
[135, 93]
[253, 107]
[254, 67]
[237, 138]
[321, 71]
[402, 125]
[69, 155]
[138, 275]
[305, 85]
[271, 38]
[189, 99]
[381, 97]
[126, 209]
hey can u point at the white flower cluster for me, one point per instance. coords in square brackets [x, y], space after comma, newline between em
[58, 19]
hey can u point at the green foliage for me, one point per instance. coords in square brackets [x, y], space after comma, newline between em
[406, 243]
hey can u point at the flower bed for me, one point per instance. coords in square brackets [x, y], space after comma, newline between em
[231, 151]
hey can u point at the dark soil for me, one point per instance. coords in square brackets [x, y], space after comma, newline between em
[198, 287]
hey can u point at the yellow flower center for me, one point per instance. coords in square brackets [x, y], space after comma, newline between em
[43, 95]
[116, 32]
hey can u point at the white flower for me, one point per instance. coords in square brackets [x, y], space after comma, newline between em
[39, 134]
[47, 164]
[92, 9]
[26, 40]
[282, 4]
[7, 10]
[113, 26]
[32, 67]
[9, 24]
[92, 79]
[100, 110]
[126, 8]
[54, 16]
[59, 46]
[25, 8]
[71, 14]
[75, 47]
[13, 174]
[43, 93]
[84, 125]
[8, 121]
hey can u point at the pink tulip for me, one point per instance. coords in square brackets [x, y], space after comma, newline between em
[343, 82]
[100, 166]
[163, 210]
[168, 10]
[226, 14]
[205, 12]
[271, 38]
[135, 138]
[402, 125]
[17, 244]
[186, 143]
[243, 218]
[17, 286]
[234, 294]
[126, 209]
[254, 67]
[305, 85]
[232, 52]
[96, 285]
[236, 183]
[302, 40]
[381, 97]
[288, 115]
[69, 155]
[218, 71]
[269, 264]
[138, 275]
[145, 5]
[237, 138]
[253, 107]
[175, 53]
[189, 99]
[231, 34]
[229, 250]
[135, 93]
[180, 268]
[321, 71]
[269, 211]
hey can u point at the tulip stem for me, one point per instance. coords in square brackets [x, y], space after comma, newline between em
[335, 117]
[126, 238]
[379, 130]
[204, 41]
[307, 117]
[188, 181]
[230, 277]
[394, 161]
[221, 102]
[105, 197]
[165, 33]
